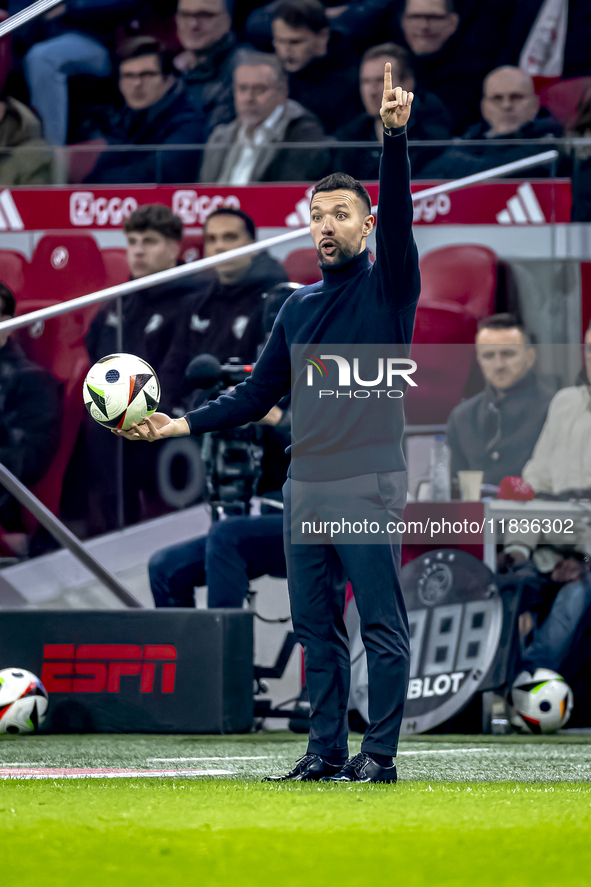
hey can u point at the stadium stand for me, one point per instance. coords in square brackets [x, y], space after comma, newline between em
[116, 268]
[302, 266]
[562, 99]
[464, 275]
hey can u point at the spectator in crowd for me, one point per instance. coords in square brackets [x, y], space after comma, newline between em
[249, 149]
[452, 51]
[496, 431]
[204, 30]
[321, 78]
[561, 460]
[429, 119]
[226, 312]
[30, 416]
[153, 328]
[30, 162]
[581, 172]
[72, 38]
[511, 110]
[156, 112]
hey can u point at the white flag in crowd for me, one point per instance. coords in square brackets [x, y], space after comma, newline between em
[543, 51]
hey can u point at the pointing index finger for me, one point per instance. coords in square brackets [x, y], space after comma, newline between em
[388, 77]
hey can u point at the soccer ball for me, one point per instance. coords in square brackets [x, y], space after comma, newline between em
[542, 702]
[23, 701]
[121, 389]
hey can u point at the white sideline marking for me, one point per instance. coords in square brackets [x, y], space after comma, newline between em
[179, 760]
[100, 773]
[442, 751]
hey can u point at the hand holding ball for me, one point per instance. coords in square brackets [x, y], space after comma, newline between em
[121, 390]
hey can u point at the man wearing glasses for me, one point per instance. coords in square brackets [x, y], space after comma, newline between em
[156, 112]
[204, 30]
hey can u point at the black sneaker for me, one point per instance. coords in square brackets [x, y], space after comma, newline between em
[363, 768]
[310, 768]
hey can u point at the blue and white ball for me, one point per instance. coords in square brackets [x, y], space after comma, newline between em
[541, 702]
[121, 389]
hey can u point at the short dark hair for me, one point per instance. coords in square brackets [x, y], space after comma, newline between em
[395, 53]
[309, 14]
[137, 47]
[7, 298]
[155, 217]
[504, 322]
[239, 213]
[340, 181]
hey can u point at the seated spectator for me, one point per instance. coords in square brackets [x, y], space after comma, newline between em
[581, 172]
[226, 313]
[156, 112]
[496, 431]
[72, 38]
[550, 619]
[511, 110]
[204, 30]
[322, 77]
[429, 118]
[153, 328]
[561, 459]
[28, 163]
[249, 149]
[452, 51]
[30, 416]
[151, 318]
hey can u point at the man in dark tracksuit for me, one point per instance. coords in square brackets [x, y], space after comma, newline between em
[340, 462]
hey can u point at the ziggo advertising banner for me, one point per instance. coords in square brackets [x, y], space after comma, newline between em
[274, 206]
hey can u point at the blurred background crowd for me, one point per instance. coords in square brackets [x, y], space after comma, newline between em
[251, 81]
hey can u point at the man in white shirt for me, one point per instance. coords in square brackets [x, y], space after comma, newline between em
[249, 149]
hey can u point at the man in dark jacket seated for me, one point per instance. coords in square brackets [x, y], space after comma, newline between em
[322, 75]
[250, 148]
[30, 417]
[430, 118]
[156, 112]
[204, 30]
[496, 431]
[511, 110]
[226, 311]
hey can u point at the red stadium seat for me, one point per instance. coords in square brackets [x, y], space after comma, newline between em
[302, 266]
[443, 347]
[562, 98]
[13, 268]
[192, 247]
[464, 275]
[64, 267]
[116, 267]
[82, 159]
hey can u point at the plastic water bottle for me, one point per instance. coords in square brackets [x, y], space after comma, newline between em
[440, 470]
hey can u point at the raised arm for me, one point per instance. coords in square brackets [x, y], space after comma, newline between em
[397, 258]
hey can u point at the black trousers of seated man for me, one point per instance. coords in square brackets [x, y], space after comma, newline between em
[317, 576]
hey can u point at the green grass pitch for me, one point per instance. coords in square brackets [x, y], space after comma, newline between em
[467, 812]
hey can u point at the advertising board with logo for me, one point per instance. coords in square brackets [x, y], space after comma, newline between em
[273, 206]
[181, 671]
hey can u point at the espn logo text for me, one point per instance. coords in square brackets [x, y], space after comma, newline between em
[98, 668]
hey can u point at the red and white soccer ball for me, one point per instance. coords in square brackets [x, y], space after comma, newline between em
[542, 701]
[23, 701]
[121, 389]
